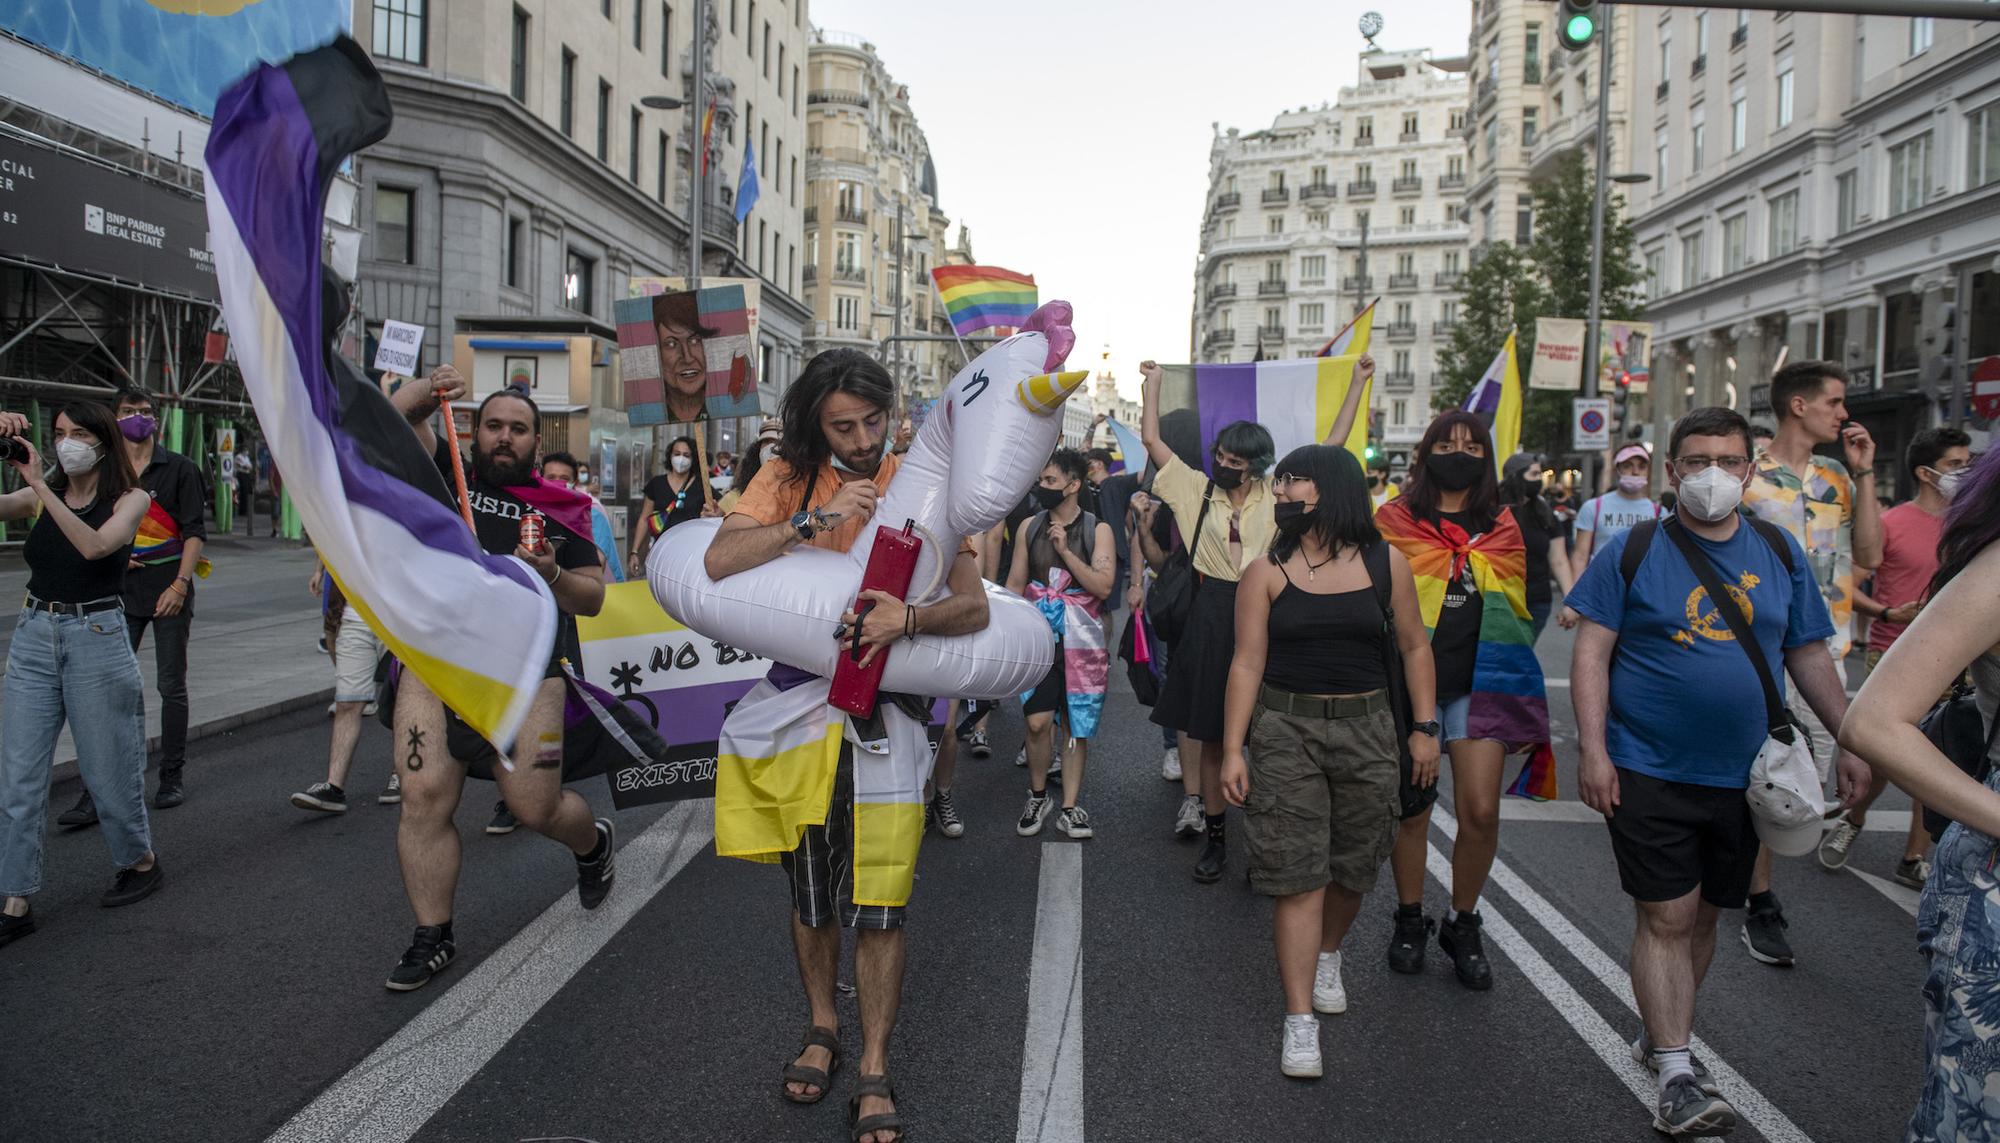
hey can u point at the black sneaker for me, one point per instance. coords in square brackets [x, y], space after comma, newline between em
[503, 820]
[1406, 944]
[1764, 935]
[327, 799]
[170, 793]
[1461, 942]
[430, 951]
[1685, 1110]
[593, 878]
[1213, 860]
[83, 813]
[133, 885]
[14, 928]
[392, 794]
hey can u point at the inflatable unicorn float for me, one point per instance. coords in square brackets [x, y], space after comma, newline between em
[973, 460]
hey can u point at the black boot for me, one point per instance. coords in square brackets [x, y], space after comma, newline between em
[83, 813]
[1461, 942]
[170, 793]
[1214, 853]
[1406, 943]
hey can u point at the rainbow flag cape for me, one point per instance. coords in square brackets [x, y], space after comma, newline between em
[159, 540]
[984, 297]
[1297, 398]
[1498, 394]
[1509, 702]
[1352, 340]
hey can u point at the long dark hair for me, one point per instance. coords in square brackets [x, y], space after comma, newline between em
[1344, 518]
[801, 444]
[1482, 500]
[746, 468]
[1973, 522]
[1522, 495]
[114, 468]
[695, 475]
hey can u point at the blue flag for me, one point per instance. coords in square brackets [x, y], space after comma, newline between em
[746, 182]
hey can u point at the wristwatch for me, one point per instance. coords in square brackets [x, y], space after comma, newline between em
[806, 524]
[1431, 728]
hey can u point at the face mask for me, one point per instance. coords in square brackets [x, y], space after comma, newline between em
[1632, 485]
[682, 464]
[75, 457]
[137, 427]
[1295, 516]
[1948, 482]
[1455, 471]
[583, 478]
[1710, 494]
[769, 452]
[1048, 498]
[1227, 478]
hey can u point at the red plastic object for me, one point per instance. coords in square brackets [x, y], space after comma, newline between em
[892, 564]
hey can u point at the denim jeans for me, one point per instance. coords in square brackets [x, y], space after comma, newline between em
[83, 670]
[170, 660]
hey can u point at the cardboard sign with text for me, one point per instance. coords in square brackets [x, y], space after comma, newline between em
[401, 348]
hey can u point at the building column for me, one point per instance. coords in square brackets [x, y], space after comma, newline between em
[471, 220]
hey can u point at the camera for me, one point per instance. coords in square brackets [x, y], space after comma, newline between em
[12, 449]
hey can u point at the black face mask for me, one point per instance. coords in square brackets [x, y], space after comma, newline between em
[1455, 471]
[1047, 498]
[1295, 516]
[1227, 478]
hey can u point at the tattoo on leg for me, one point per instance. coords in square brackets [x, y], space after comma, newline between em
[415, 760]
[548, 752]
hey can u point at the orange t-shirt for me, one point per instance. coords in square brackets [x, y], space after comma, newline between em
[774, 497]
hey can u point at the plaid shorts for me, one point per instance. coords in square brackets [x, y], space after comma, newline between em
[822, 867]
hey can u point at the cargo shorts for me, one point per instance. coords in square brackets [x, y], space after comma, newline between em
[1323, 801]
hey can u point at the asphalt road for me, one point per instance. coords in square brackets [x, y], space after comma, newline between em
[245, 1001]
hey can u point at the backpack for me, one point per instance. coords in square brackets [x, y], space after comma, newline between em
[1958, 730]
[1083, 537]
[1641, 536]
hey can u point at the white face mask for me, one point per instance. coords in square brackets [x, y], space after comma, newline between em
[75, 457]
[1948, 483]
[1711, 494]
[583, 478]
[682, 464]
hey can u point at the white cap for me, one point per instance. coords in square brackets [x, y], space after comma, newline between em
[1635, 449]
[1784, 795]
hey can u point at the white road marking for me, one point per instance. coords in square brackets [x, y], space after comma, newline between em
[1052, 1059]
[1750, 1104]
[1902, 895]
[390, 1095]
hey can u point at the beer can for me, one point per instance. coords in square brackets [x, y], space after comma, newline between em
[534, 532]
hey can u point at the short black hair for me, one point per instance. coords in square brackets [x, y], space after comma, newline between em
[1249, 440]
[800, 443]
[1760, 429]
[131, 395]
[1101, 456]
[1927, 446]
[1802, 379]
[549, 458]
[1345, 517]
[534, 410]
[1072, 464]
[1713, 421]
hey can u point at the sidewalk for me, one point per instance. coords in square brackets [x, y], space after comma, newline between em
[252, 652]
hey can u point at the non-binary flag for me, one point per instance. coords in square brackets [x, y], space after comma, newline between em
[1498, 394]
[367, 491]
[985, 297]
[1295, 398]
[1131, 450]
[1352, 340]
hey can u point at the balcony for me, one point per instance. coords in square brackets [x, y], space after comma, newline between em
[812, 215]
[1399, 382]
[1700, 64]
[1403, 281]
[1271, 333]
[854, 214]
[1220, 291]
[1531, 72]
[1229, 201]
[811, 273]
[1443, 328]
[1313, 191]
[854, 155]
[830, 95]
[1410, 137]
[1739, 37]
[1358, 282]
[1451, 182]
[1489, 89]
[1271, 289]
[1447, 279]
[1557, 60]
[1366, 139]
[1660, 92]
[1224, 336]
[853, 275]
[1276, 194]
[1411, 185]
[719, 223]
[1361, 189]
[1402, 330]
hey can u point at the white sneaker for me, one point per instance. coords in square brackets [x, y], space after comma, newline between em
[1191, 820]
[1300, 1059]
[1170, 766]
[1329, 991]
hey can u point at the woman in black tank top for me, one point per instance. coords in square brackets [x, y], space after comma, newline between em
[1310, 692]
[70, 658]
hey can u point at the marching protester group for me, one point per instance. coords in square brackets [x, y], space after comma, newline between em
[1321, 645]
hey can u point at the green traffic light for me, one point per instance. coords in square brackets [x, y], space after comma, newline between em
[1580, 28]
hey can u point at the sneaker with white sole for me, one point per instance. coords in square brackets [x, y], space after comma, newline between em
[1032, 816]
[1329, 991]
[1073, 823]
[1642, 1054]
[1913, 872]
[1686, 1110]
[980, 745]
[392, 794]
[327, 799]
[1191, 820]
[944, 815]
[1834, 846]
[1170, 764]
[1300, 1054]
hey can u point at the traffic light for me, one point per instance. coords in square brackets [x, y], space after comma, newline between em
[1938, 340]
[1576, 23]
[1621, 398]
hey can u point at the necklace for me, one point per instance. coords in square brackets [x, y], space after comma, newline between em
[1312, 569]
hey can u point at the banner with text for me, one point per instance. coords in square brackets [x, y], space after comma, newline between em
[1558, 360]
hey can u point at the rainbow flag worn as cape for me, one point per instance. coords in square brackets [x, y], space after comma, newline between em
[1509, 702]
[159, 540]
[985, 297]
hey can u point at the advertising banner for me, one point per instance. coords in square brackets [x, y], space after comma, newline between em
[1558, 360]
[74, 213]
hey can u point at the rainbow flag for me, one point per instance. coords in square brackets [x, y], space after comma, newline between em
[984, 297]
[1297, 398]
[1352, 340]
[1498, 394]
[1509, 701]
[159, 540]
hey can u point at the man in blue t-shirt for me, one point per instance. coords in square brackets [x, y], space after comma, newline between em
[1670, 714]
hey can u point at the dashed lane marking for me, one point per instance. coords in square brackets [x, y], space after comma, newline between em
[1052, 1059]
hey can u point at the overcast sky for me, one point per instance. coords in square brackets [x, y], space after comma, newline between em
[1073, 135]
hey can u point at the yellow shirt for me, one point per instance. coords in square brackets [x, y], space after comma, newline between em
[1181, 487]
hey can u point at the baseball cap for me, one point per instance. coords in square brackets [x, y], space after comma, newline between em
[1784, 794]
[1630, 451]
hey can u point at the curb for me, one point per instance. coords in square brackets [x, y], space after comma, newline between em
[66, 769]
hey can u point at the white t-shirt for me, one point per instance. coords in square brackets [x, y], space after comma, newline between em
[1612, 515]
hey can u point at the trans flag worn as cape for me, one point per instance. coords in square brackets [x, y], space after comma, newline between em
[1078, 619]
[368, 493]
[1508, 700]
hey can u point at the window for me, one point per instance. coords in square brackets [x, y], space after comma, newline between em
[732, 16]
[750, 34]
[763, 236]
[638, 25]
[1361, 220]
[1697, 142]
[767, 49]
[1451, 262]
[1316, 219]
[792, 180]
[517, 79]
[393, 233]
[399, 30]
[1982, 147]
[1274, 269]
[579, 281]
[1524, 226]
[847, 313]
[1364, 173]
[1739, 118]
[1846, 201]
[1457, 121]
[606, 5]
[1274, 318]
[795, 89]
[781, 71]
[1534, 52]
[1785, 94]
[1406, 265]
[1910, 174]
[1448, 312]
[1312, 314]
[1691, 268]
[510, 253]
[1405, 313]
[1274, 224]
[847, 253]
[660, 171]
[1656, 273]
[1492, 140]
[666, 39]
[1454, 167]
[1922, 28]
[1660, 156]
[1399, 412]
[568, 115]
[603, 122]
[1318, 177]
[1735, 234]
[1700, 40]
[1364, 130]
[1530, 119]
[1312, 268]
[1406, 216]
[1784, 224]
[1276, 181]
[1400, 363]
[1666, 57]
[1409, 125]
[764, 150]
[632, 149]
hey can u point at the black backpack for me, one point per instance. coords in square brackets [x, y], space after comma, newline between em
[1959, 731]
[1412, 798]
[1171, 599]
[1641, 536]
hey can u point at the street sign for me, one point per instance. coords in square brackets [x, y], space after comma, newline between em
[1590, 428]
[401, 346]
[1986, 388]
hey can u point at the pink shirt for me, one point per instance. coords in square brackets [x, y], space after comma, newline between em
[1910, 538]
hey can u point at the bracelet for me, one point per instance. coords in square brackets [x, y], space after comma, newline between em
[551, 581]
[909, 622]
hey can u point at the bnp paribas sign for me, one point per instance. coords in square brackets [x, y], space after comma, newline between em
[97, 219]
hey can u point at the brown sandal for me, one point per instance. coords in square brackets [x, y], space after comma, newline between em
[859, 1125]
[816, 1037]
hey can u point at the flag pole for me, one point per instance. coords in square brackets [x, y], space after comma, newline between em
[963, 352]
[457, 465]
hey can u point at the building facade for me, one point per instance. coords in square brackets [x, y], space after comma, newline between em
[1331, 207]
[874, 228]
[1823, 187]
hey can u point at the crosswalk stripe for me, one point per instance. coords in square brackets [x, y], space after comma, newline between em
[1052, 1058]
